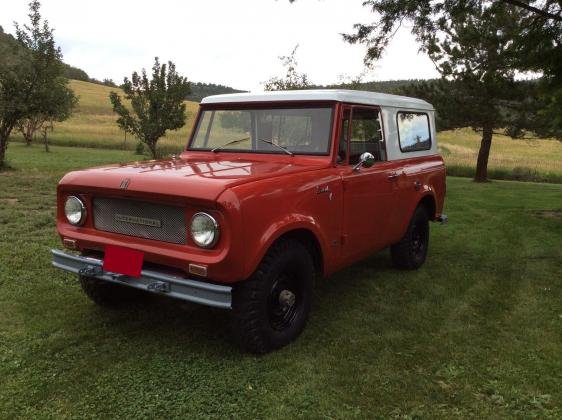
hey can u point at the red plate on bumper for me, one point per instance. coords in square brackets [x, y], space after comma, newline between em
[123, 260]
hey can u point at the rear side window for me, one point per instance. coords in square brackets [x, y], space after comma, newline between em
[413, 131]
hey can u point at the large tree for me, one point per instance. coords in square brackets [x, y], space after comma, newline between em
[476, 46]
[32, 82]
[157, 104]
[539, 49]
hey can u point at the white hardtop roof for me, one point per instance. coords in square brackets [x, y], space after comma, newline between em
[340, 95]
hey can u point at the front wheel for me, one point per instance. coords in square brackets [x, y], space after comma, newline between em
[410, 253]
[271, 308]
[107, 294]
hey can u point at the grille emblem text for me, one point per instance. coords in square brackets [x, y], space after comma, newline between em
[138, 220]
[124, 184]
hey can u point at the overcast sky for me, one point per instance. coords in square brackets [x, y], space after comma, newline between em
[235, 43]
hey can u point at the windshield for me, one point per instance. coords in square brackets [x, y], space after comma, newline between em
[264, 130]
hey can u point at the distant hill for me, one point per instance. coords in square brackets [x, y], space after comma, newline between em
[388, 86]
[10, 49]
[200, 90]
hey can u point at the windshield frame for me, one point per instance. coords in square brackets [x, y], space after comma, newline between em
[227, 106]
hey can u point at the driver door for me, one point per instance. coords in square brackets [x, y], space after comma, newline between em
[369, 197]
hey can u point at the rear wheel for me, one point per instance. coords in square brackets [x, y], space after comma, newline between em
[271, 308]
[411, 252]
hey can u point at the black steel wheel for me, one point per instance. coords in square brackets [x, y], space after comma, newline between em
[285, 302]
[271, 308]
[411, 252]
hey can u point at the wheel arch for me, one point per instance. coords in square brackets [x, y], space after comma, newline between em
[305, 234]
[310, 241]
[428, 202]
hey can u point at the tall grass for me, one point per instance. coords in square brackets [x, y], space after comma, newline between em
[517, 159]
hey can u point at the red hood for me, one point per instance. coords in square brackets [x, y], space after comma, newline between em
[196, 177]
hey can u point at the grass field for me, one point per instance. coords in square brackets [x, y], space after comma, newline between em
[93, 125]
[523, 159]
[474, 333]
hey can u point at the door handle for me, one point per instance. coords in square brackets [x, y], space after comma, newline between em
[393, 176]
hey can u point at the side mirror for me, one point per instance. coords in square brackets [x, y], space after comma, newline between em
[366, 160]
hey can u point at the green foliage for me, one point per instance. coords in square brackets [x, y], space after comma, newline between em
[293, 80]
[476, 46]
[75, 73]
[139, 148]
[32, 82]
[387, 86]
[157, 104]
[108, 82]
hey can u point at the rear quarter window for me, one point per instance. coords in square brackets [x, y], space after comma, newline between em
[413, 131]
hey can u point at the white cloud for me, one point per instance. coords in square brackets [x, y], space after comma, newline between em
[235, 43]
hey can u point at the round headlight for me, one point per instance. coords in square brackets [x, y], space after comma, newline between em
[75, 210]
[204, 230]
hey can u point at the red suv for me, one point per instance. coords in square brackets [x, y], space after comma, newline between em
[272, 191]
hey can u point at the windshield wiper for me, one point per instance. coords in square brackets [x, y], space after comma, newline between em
[222, 146]
[279, 147]
[216, 149]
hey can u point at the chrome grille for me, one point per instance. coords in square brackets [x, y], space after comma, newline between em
[138, 218]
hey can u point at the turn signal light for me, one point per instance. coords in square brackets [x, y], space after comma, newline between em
[198, 270]
[69, 243]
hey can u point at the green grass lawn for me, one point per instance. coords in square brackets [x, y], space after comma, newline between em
[476, 332]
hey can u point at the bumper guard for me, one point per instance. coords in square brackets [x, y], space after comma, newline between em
[151, 281]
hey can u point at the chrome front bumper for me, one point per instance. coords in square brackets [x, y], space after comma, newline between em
[151, 281]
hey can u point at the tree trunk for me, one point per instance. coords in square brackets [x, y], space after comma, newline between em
[28, 132]
[45, 140]
[152, 147]
[483, 154]
[4, 136]
[3, 146]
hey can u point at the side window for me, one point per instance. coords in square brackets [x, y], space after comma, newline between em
[413, 131]
[366, 134]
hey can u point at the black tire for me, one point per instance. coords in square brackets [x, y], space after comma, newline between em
[107, 294]
[271, 309]
[410, 253]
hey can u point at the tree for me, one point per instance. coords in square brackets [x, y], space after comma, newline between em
[474, 45]
[58, 102]
[157, 104]
[293, 80]
[108, 82]
[32, 82]
[539, 49]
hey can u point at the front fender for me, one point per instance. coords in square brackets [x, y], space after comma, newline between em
[276, 230]
[271, 208]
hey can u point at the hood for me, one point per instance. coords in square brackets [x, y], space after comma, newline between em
[201, 178]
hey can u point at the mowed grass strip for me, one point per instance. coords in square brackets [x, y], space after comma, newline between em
[474, 333]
